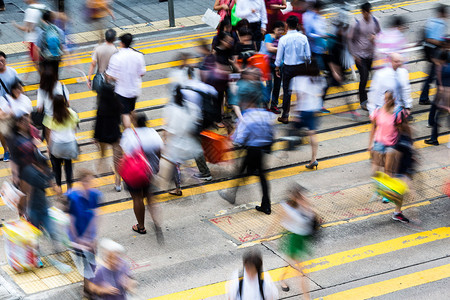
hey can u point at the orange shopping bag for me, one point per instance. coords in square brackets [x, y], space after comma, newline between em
[261, 61]
[215, 146]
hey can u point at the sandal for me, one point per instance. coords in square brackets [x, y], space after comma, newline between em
[139, 230]
[176, 193]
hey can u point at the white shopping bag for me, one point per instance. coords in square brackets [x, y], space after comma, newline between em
[211, 18]
[11, 195]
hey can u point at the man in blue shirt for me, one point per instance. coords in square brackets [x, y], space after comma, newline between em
[315, 29]
[435, 32]
[293, 52]
[255, 133]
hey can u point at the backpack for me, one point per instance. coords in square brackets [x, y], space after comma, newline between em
[209, 110]
[51, 46]
[260, 281]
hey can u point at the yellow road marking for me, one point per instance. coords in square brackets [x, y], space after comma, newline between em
[392, 285]
[325, 262]
[88, 59]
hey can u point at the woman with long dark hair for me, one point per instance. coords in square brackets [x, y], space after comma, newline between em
[107, 129]
[62, 144]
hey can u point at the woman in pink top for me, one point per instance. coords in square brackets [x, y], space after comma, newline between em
[387, 123]
[224, 7]
[384, 136]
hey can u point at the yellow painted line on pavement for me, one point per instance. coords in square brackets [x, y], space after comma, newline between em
[278, 174]
[88, 58]
[392, 285]
[325, 262]
[78, 55]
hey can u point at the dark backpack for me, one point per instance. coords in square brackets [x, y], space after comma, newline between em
[261, 288]
[210, 113]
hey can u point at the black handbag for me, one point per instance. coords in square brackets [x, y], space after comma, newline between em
[37, 117]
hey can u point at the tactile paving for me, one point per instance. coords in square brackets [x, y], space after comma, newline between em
[345, 204]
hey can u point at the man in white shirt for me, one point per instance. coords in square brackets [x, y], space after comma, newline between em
[391, 78]
[293, 52]
[33, 15]
[255, 12]
[126, 68]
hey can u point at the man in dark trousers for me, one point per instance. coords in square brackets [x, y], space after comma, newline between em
[293, 52]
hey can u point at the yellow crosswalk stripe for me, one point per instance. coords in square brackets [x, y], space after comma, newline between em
[325, 262]
[392, 285]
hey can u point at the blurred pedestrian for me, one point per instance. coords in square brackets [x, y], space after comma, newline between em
[251, 283]
[224, 26]
[292, 55]
[393, 78]
[31, 20]
[393, 39]
[255, 133]
[245, 47]
[255, 12]
[83, 205]
[15, 103]
[224, 8]
[107, 130]
[274, 14]
[63, 143]
[309, 90]
[434, 35]
[361, 40]
[126, 68]
[315, 29]
[112, 278]
[385, 134]
[298, 218]
[49, 87]
[51, 42]
[151, 143]
[441, 104]
[96, 13]
[100, 58]
[8, 76]
[270, 48]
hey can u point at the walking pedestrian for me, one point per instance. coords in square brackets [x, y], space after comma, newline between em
[441, 104]
[255, 133]
[361, 40]
[14, 104]
[63, 143]
[83, 206]
[101, 56]
[112, 278]
[31, 20]
[251, 283]
[309, 90]
[274, 14]
[393, 78]
[97, 11]
[298, 218]
[292, 54]
[151, 143]
[270, 48]
[435, 32]
[8, 77]
[315, 27]
[385, 133]
[126, 68]
[107, 130]
[49, 87]
[255, 12]
[224, 8]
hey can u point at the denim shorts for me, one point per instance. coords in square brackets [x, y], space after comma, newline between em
[379, 147]
[308, 120]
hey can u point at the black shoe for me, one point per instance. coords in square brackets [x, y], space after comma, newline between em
[267, 211]
[363, 105]
[425, 102]
[431, 142]
[400, 217]
[204, 177]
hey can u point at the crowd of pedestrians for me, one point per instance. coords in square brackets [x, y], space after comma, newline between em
[258, 52]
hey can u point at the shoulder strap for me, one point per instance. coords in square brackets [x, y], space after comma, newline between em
[260, 282]
[377, 24]
[63, 87]
[4, 86]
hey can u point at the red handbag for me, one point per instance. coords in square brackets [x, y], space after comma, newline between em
[215, 146]
[135, 169]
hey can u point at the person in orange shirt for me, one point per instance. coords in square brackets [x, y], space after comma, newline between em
[97, 11]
